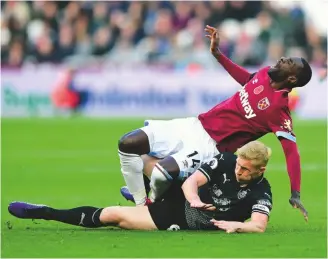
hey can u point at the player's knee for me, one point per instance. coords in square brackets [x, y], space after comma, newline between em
[170, 167]
[160, 175]
[118, 216]
[135, 142]
[111, 215]
[125, 143]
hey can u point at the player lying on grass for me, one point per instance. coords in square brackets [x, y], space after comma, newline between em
[258, 108]
[234, 190]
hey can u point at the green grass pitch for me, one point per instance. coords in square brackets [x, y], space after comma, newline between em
[71, 162]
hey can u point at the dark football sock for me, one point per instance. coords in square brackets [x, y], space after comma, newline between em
[85, 216]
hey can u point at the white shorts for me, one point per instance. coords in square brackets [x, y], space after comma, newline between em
[184, 139]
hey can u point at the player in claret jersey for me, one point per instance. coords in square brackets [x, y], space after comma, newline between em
[181, 145]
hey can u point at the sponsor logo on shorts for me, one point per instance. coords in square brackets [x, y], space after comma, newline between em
[174, 227]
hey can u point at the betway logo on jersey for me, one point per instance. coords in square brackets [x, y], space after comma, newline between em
[243, 96]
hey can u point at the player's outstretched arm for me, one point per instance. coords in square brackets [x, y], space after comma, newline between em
[294, 171]
[241, 75]
[190, 190]
[257, 224]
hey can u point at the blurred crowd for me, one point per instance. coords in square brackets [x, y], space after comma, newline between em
[133, 32]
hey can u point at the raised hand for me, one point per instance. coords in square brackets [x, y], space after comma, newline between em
[213, 35]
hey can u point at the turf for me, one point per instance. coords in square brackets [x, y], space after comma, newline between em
[71, 162]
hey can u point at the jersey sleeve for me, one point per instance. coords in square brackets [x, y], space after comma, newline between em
[223, 162]
[240, 74]
[261, 201]
[282, 125]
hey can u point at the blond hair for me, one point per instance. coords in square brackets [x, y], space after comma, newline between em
[255, 151]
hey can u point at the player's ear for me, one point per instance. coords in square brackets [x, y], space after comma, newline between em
[262, 170]
[292, 80]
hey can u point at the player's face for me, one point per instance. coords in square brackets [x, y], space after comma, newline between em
[286, 69]
[245, 171]
[290, 65]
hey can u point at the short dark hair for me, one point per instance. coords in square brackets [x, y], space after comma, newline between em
[305, 74]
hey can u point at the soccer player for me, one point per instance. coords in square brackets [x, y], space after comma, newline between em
[234, 190]
[258, 108]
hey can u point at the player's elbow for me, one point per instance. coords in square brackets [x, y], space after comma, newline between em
[186, 186]
[260, 227]
[189, 186]
[256, 226]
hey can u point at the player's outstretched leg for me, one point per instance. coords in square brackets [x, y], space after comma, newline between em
[130, 147]
[87, 216]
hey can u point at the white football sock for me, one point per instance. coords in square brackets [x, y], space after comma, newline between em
[160, 181]
[131, 167]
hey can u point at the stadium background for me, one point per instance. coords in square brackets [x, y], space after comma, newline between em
[75, 76]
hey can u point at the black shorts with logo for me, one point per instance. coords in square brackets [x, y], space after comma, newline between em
[171, 210]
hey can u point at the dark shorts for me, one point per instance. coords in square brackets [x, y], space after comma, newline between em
[171, 210]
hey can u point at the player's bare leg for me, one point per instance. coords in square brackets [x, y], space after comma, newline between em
[128, 217]
[87, 216]
[131, 146]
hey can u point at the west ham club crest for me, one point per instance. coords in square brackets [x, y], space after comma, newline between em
[263, 104]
